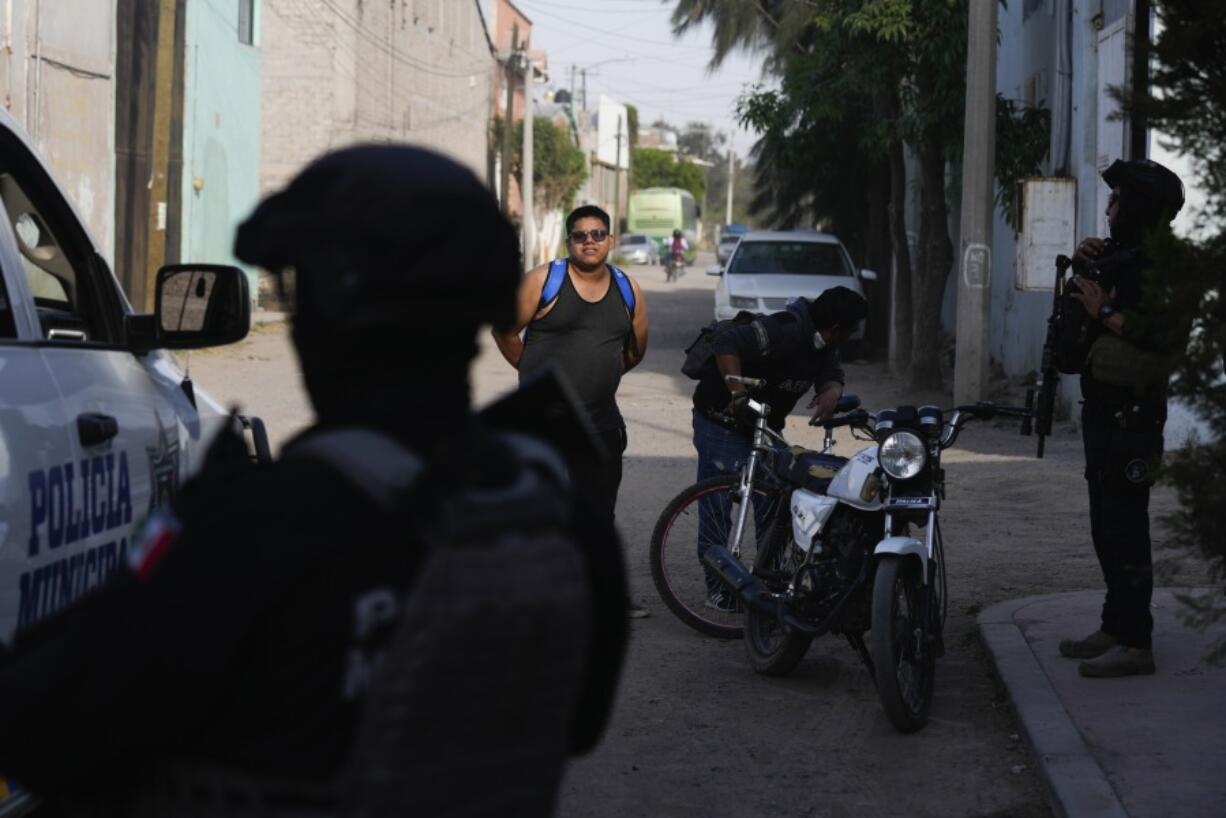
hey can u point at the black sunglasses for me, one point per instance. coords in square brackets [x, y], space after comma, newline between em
[580, 236]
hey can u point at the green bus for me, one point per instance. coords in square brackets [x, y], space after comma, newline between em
[658, 211]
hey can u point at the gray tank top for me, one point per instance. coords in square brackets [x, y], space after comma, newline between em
[584, 340]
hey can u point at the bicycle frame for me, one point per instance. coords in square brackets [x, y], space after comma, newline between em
[763, 437]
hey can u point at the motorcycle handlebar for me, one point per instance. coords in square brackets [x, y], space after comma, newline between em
[859, 417]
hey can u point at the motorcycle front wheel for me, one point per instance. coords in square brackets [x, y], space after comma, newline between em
[903, 662]
[685, 585]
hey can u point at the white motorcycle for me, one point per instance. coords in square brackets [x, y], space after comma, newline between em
[858, 551]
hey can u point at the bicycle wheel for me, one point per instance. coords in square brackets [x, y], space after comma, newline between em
[702, 514]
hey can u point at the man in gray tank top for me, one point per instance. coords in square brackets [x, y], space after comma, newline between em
[591, 332]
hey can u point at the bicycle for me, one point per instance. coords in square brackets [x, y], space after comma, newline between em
[701, 515]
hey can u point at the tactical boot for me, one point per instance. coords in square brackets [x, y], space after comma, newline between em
[1094, 645]
[1119, 661]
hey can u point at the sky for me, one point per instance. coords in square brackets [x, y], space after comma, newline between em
[663, 77]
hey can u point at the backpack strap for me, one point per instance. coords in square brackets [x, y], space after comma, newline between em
[624, 287]
[370, 460]
[553, 282]
[557, 274]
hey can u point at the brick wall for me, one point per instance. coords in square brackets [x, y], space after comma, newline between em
[337, 72]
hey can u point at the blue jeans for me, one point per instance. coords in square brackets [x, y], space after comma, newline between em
[720, 451]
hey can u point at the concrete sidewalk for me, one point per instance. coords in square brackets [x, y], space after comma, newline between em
[1142, 747]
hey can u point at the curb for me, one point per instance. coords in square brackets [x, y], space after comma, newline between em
[1077, 785]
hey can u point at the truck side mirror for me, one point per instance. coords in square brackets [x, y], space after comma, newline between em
[196, 305]
[715, 270]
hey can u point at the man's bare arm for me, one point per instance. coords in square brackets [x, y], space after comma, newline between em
[634, 353]
[509, 343]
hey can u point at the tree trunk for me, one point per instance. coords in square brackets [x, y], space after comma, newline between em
[876, 257]
[902, 272]
[936, 255]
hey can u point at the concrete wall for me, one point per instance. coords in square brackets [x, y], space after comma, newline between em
[57, 61]
[221, 131]
[1027, 70]
[336, 72]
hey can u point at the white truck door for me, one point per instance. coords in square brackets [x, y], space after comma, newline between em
[122, 414]
[34, 442]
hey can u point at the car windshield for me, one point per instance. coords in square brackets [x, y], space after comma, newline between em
[634, 240]
[789, 258]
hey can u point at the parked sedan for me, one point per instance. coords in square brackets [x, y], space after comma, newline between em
[636, 248]
[769, 269]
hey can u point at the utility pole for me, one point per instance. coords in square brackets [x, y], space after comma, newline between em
[731, 180]
[978, 207]
[583, 72]
[526, 186]
[617, 178]
[508, 122]
[159, 184]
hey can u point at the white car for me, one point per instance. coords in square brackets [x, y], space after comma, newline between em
[98, 424]
[769, 269]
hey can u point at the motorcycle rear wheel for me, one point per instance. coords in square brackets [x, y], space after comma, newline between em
[773, 650]
[903, 662]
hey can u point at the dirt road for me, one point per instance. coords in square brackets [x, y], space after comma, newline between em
[695, 732]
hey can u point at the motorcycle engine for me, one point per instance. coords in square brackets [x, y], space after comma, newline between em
[846, 541]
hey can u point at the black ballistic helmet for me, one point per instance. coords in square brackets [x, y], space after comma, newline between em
[387, 237]
[1150, 195]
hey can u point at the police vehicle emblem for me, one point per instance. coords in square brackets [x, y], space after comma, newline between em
[1137, 471]
[163, 468]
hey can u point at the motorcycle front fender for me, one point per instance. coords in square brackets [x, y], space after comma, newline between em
[905, 547]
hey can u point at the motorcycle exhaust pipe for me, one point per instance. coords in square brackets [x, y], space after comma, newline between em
[750, 590]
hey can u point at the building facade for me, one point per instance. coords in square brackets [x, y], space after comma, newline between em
[339, 72]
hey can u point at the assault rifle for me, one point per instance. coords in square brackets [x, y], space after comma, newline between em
[1043, 404]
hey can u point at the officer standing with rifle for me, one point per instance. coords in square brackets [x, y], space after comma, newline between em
[1109, 327]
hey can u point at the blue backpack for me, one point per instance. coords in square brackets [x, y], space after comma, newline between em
[557, 274]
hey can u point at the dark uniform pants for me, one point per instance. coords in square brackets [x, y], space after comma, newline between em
[1123, 445]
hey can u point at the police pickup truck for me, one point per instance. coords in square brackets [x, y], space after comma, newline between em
[98, 424]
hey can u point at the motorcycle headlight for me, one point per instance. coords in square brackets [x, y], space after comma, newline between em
[742, 302]
[902, 455]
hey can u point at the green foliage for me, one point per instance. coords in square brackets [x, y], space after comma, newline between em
[650, 167]
[1023, 136]
[1189, 105]
[558, 169]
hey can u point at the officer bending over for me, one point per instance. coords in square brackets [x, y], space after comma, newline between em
[793, 351]
[1128, 346]
[226, 670]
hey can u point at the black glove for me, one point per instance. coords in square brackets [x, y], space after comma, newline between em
[738, 409]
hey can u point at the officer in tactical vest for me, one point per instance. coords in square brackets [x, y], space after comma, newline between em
[1126, 345]
[226, 671]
